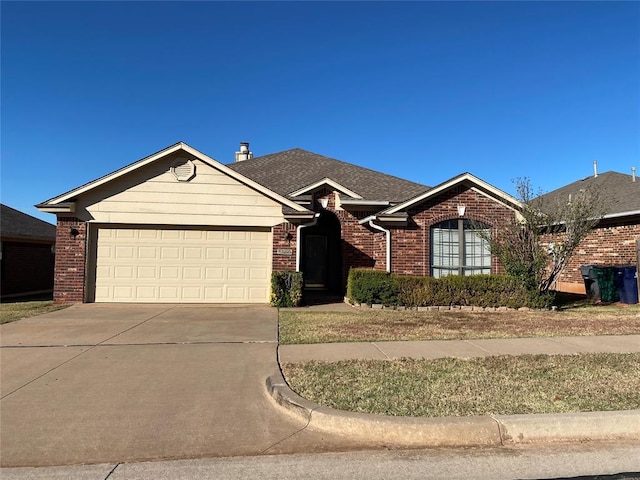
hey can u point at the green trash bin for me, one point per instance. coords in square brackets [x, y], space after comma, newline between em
[605, 277]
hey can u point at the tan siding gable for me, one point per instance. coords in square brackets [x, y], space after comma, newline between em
[152, 195]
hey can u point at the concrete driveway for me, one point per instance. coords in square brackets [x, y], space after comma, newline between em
[117, 383]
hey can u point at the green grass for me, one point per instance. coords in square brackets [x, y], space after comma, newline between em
[504, 385]
[10, 312]
[365, 325]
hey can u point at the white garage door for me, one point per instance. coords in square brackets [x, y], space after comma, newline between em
[174, 265]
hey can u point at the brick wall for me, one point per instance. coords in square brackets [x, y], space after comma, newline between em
[26, 267]
[284, 240]
[609, 244]
[366, 247]
[412, 245]
[360, 244]
[69, 277]
[360, 247]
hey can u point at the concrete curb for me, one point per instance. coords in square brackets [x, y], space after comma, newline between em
[457, 431]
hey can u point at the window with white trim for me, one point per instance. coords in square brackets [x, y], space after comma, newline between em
[458, 248]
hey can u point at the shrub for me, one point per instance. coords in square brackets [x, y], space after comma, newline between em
[286, 289]
[372, 286]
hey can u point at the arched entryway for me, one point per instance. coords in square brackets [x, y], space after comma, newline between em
[321, 254]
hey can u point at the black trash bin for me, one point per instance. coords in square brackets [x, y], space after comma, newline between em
[590, 282]
[631, 284]
[604, 276]
[618, 281]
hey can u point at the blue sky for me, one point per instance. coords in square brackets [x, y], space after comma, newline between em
[421, 90]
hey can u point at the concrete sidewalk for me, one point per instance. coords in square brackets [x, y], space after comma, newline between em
[333, 352]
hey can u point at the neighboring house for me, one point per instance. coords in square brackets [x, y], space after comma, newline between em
[27, 253]
[615, 240]
[178, 226]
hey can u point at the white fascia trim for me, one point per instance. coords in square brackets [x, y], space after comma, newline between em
[382, 218]
[298, 241]
[320, 183]
[622, 214]
[357, 201]
[111, 176]
[392, 218]
[69, 207]
[451, 183]
[367, 219]
[497, 200]
[167, 151]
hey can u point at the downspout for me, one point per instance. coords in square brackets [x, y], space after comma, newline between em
[388, 234]
[298, 242]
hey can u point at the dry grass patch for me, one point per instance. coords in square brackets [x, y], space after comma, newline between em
[10, 312]
[503, 385]
[387, 325]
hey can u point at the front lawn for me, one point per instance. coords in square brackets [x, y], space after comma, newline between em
[502, 385]
[10, 312]
[368, 325]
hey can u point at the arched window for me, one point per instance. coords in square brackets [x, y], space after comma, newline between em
[458, 248]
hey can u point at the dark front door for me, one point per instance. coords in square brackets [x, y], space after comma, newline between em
[315, 261]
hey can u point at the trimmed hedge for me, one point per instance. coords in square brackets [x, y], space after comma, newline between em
[373, 286]
[286, 289]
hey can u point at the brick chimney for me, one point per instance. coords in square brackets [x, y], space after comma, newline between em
[244, 153]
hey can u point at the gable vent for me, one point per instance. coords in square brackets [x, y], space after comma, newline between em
[183, 169]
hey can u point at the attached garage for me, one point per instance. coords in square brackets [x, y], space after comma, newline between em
[174, 227]
[182, 265]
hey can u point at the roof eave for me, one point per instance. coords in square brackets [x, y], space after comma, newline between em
[298, 217]
[320, 183]
[162, 153]
[65, 207]
[356, 202]
[397, 219]
[631, 213]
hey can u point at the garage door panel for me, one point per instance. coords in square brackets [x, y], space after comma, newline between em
[169, 273]
[147, 252]
[169, 253]
[257, 293]
[192, 273]
[214, 273]
[213, 294]
[173, 265]
[124, 233]
[258, 274]
[146, 293]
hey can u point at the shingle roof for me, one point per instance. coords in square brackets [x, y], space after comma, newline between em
[291, 170]
[619, 194]
[16, 224]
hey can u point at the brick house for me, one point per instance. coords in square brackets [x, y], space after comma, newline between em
[616, 238]
[26, 253]
[179, 226]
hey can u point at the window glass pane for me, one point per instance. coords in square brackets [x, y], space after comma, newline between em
[445, 248]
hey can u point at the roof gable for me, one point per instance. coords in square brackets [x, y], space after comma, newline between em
[72, 195]
[295, 171]
[16, 224]
[468, 179]
[325, 182]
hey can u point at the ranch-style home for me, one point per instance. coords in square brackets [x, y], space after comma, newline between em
[615, 240]
[26, 254]
[180, 226]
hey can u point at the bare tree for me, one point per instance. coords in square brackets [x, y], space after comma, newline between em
[538, 244]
